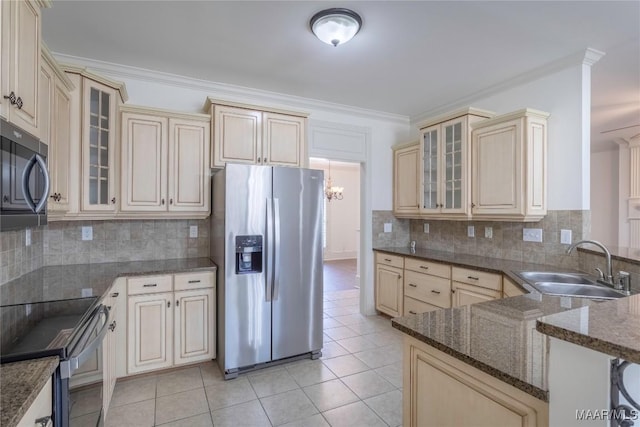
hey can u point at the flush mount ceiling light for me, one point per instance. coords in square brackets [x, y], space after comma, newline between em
[335, 26]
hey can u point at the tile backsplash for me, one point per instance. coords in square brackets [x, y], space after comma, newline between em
[506, 241]
[61, 243]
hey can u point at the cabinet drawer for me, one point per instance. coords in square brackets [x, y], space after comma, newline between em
[477, 278]
[392, 260]
[426, 288]
[413, 306]
[433, 268]
[149, 284]
[201, 279]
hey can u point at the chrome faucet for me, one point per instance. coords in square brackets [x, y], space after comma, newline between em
[606, 277]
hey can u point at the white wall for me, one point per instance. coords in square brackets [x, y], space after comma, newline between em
[604, 196]
[342, 216]
[562, 94]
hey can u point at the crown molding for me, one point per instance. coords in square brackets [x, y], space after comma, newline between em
[229, 92]
[588, 56]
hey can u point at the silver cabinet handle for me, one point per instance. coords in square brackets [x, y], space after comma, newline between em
[44, 421]
[150, 285]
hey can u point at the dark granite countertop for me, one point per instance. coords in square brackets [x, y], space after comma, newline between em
[611, 327]
[20, 383]
[62, 282]
[498, 337]
[502, 337]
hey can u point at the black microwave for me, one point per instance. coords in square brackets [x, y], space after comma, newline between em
[24, 179]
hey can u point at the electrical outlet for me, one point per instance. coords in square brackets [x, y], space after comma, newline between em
[488, 232]
[87, 233]
[387, 227]
[425, 227]
[471, 231]
[27, 309]
[193, 231]
[532, 234]
[565, 237]
[27, 237]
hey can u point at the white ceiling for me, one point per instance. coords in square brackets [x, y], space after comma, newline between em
[409, 58]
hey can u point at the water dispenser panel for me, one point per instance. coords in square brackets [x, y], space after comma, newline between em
[248, 254]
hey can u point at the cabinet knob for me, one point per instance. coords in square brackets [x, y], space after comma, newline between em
[453, 291]
[399, 276]
[112, 326]
[177, 303]
[113, 200]
[168, 304]
[11, 97]
[473, 205]
[162, 202]
[19, 103]
[170, 201]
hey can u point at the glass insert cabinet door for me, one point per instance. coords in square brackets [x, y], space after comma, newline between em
[452, 151]
[98, 149]
[430, 168]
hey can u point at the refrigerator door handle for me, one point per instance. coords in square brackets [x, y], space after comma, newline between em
[276, 252]
[269, 252]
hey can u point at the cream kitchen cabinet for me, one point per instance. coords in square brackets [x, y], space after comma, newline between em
[389, 284]
[406, 180]
[110, 347]
[431, 378]
[509, 167]
[20, 63]
[427, 286]
[471, 286]
[41, 410]
[55, 112]
[257, 135]
[445, 170]
[164, 162]
[171, 320]
[510, 289]
[93, 137]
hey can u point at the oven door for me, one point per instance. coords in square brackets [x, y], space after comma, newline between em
[24, 180]
[86, 340]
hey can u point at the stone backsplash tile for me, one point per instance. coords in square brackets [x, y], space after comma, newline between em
[400, 234]
[115, 241]
[589, 261]
[16, 258]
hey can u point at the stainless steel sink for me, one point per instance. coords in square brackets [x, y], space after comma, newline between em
[577, 290]
[545, 276]
[568, 284]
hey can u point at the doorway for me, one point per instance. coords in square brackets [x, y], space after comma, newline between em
[341, 225]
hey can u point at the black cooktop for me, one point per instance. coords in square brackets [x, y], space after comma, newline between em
[40, 329]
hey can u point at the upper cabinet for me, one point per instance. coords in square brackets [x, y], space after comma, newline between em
[509, 167]
[94, 169]
[164, 161]
[257, 135]
[406, 179]
[20, 63]
[55, 113]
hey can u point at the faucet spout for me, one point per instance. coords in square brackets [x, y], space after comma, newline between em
[608, 276]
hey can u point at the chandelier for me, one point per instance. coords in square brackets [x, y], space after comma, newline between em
[331, 191]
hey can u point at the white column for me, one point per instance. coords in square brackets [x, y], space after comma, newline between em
[633, 201]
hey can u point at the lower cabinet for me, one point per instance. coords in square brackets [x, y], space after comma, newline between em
[110, 344]
[389, 294]
[41, 410]
[473, 286]
[464, 294]
[173, 326]
[440, 390]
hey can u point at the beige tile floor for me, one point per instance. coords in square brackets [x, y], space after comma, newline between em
[356, 382]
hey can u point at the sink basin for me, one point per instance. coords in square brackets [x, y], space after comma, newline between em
[577, 290]
[554, 277]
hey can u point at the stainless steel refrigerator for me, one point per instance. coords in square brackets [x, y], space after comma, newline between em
[266, 238]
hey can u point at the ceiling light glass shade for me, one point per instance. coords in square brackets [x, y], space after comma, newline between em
[335, 26]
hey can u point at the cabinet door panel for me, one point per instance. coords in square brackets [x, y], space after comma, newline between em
[389, 294]
[188, 166]
[237, 135]
[464, 294]
[430, 169]
[406, 175]
[194, 323]
[283, 138]
[144, 163]
[25, 64]
[59, 149]
[150, 332]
